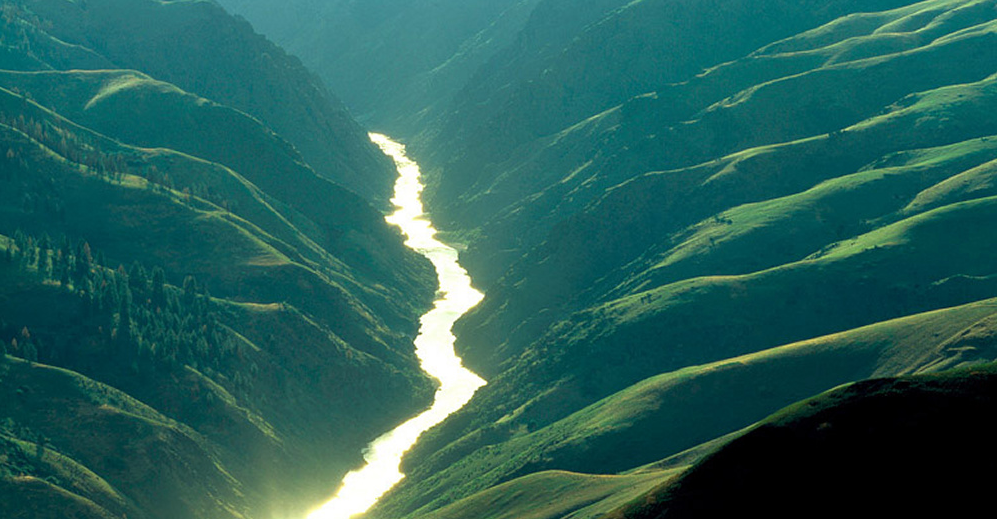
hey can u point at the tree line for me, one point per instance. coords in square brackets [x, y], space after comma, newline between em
[126, 320]
[85, 150]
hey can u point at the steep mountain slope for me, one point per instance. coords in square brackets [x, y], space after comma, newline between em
[866, 446]
[690, 211]
[828, 181]
[128, 389]
[395, 62]
[688, 214]
[198, 47]
[120, 104]
[726, 109]
[604, 59]
[667, 414]
[553, 494]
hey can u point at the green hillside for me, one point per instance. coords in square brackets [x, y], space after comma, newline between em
[862, 446]
[813, 184]
[693, 123]
[687, 215]
[871, 445]
[222, 372]
[667, 414]
[183, 299]
[120, 104]
[195, 45]
[551, 495]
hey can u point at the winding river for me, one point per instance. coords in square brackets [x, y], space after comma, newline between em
[434, 347]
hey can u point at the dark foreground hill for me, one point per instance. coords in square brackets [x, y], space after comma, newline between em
[886, 447]
[907, 446]
[195, 320]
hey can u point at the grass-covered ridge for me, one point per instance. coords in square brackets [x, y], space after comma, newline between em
[201, 49]
[830, 185]
[234, 394]
[671, 412]
[866, 445]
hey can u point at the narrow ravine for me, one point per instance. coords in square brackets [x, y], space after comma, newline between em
[434, 347]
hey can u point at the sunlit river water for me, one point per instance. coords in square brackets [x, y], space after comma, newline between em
[434, 347]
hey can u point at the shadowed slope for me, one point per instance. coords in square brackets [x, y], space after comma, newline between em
[871, 446]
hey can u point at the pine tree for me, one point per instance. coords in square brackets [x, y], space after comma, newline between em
[45, 265]
[138, 279]
[20, 241]
[189, 292]
[158, 288]
[126, 335]
[65, 252]
[84, 262]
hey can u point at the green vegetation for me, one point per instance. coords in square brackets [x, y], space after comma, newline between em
[877, 443]
[552, 495]
[196, 46]
[656, 197]
[129, 320]
[686, 215]
[128, 390]
[671, 412]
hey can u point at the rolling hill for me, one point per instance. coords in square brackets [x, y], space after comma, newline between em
[687, 214]
[196, 46]
[637, 203]
[186, 296]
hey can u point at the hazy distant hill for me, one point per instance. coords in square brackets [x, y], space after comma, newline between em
[196, 46]
[395, 62]
[194, 322]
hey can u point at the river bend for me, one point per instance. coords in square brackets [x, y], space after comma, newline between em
[434, 346]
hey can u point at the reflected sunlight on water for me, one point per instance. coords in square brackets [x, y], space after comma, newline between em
[434, 347]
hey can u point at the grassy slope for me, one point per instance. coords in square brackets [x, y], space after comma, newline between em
[285, 416]
[313, 281]
[911, 266]
[51, 472]
[606, 60]
[553, 495]
[704, 119]
[643, 222]
[164, 467]
[668, 413]
[29, 497]
[870, 446]
[648, 210]
[129, 222]
[197, 46]
[864, 446]
[332, 227]
[773, 244]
